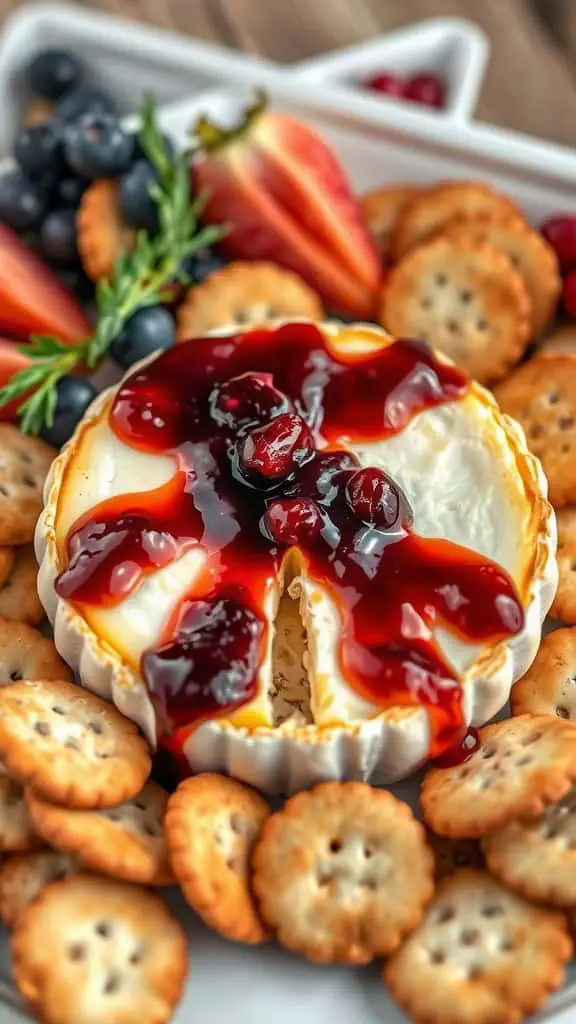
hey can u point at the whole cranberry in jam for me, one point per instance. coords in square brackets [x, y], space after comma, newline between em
[560, 233]
[375, 498]
[386, 83]
[209, 665]
[276, 449]
[248, 398]
[320, 477]
[428, 89]
[292, 520]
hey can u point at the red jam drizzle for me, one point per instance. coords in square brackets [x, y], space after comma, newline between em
[460, 752]
[258, 424]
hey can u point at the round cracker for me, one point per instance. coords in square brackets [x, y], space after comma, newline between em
[426, 214]
[528, 252]
[482, 955]
[95, 949]
[17, 832]
[564, 604]
[381, 209]
[549, 685]
[7, 559]
[462, 298]
[541, 395]
[561, 341]
[102, 234]
[521, 765]
[24, 465]
[69, 745]
[19, 599]
[537, 858]
[211, 826]
[241, 293]
[343, 872]
[24, 875]
[126, 841]
[26, 654]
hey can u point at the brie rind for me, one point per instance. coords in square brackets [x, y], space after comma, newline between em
[469, 477]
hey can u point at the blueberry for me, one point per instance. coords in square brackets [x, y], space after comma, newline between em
[68, 192]
[58, 236]
[86, 100]
[202, 265]
[140, 153]
[96, 146]
[73, 396]
[136, 201]
[76, 281]
[53, 73]
[146, 331]
[22, 202]
[39, 151]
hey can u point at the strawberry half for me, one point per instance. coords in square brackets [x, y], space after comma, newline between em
[32, 299]
[285, 197]
[11, 361]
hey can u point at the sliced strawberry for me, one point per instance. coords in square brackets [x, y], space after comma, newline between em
[11, 361]
[32, 299]
[281, 190]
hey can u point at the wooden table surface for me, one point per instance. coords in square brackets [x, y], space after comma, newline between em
[531, 79]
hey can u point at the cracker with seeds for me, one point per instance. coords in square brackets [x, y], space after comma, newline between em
[549, 685]
[528, 252]
[211, 826]
[102, 233]
[26, 654]
[541, 395]
[126, 841]
[381, 209]
[428, 213]
[463, 298]
[17, 833]
[19, 599]
[24, 875]
[564, 604]
[96, 950]
[69, 745]
[24, 465]
[482, 955]
[243, 293]
[342, 873]
[520, 766]
[537, 857]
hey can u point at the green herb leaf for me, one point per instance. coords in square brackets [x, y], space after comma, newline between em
[140, 278]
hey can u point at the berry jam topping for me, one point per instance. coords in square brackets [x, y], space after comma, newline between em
[460, 752]
[560, 233]
[275, 450]
[292, 520]
[296, 485]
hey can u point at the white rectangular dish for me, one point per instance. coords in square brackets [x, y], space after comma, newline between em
[255, 986]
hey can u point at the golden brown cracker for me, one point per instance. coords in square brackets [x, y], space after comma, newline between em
[564, 604]
[102, 234]
[24, 464]
[95, 949]
[521, 765]
[19, 599]
[69, 745]
[561, 341]
[482, 955]
[528, 252]
[343, 872]
[7, 559]
[381, 208]
[541, 395]
[24, 875]
[26, 654]
[242, 293]
[537, 857]
[211, 826]
[126, 841]
[463, 298]
[549, 685]
[427, 213]
[17, 833]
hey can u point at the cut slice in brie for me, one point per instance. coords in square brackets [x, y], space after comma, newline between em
[469, 478]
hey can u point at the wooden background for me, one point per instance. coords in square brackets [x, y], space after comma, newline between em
[531, 80]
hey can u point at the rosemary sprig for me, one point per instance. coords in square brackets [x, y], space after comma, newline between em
[139, 278]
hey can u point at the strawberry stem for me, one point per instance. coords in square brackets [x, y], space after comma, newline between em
[212, 137]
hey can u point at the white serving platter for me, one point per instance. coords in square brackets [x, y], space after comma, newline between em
[259, 986]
